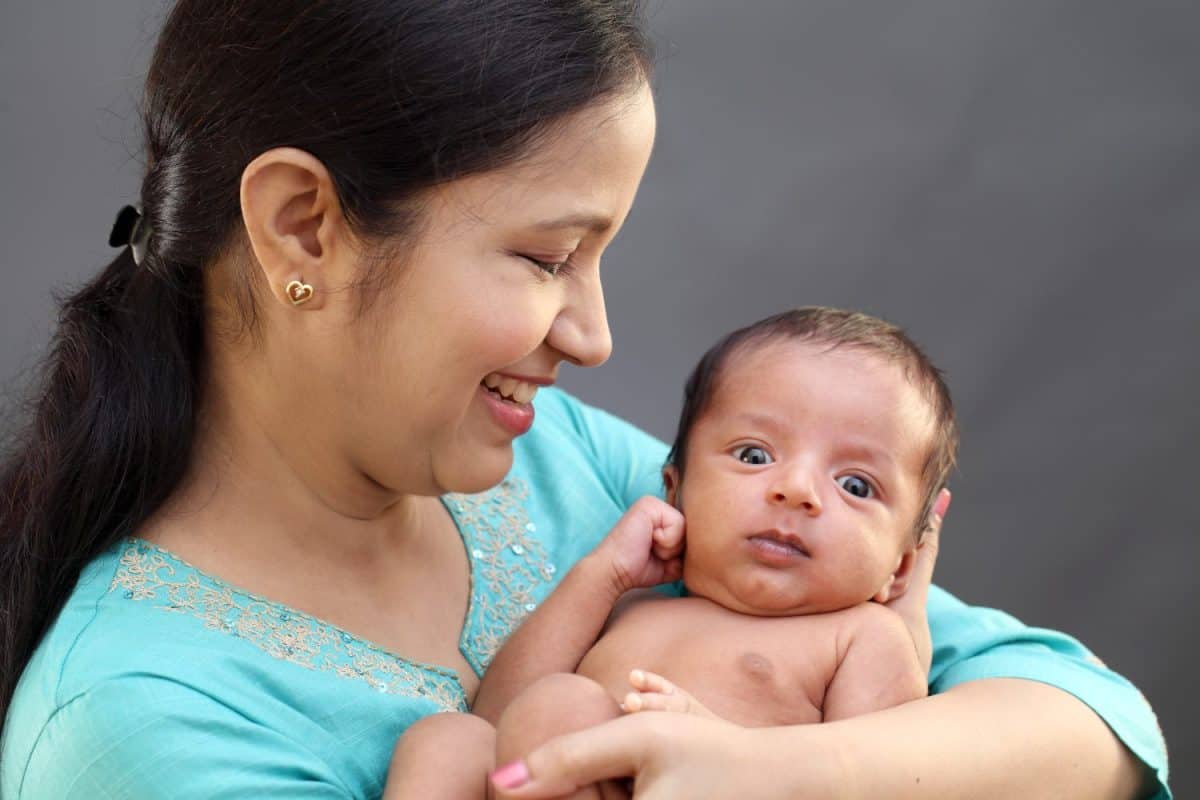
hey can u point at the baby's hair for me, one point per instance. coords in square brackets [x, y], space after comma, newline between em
[835, 328]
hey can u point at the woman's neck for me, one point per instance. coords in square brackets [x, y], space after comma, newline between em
[259, 492]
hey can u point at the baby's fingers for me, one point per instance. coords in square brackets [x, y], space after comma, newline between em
[646, 681]
[656, 693]
[663, 551]
[668, 531]
[652, 701]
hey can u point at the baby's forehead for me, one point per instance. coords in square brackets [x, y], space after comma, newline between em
[851, 394]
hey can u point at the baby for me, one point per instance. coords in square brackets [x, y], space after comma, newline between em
[810, 451]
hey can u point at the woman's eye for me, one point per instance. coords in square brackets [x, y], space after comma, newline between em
[551, 268]
[749, 454]
[855, 485]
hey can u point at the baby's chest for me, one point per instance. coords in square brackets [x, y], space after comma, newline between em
[752, 671]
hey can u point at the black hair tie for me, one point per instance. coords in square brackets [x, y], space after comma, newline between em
[132, 229]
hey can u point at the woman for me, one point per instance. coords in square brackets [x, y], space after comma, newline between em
[282, 497]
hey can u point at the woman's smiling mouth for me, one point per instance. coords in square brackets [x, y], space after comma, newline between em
[510, 399]
[510, 389]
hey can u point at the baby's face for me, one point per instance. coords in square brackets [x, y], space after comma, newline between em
[803, 481]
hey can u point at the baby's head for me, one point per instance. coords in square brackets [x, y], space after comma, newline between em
[811, 448]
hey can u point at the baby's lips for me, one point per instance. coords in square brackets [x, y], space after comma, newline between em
[790, 539]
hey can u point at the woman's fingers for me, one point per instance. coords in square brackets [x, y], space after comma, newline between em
[928, 551]
[911, 605]
[568, 763]
[669, 756]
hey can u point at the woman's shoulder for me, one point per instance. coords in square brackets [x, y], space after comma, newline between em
[148, 646]
[572, 442]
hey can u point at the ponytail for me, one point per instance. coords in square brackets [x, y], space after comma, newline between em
[108, 440]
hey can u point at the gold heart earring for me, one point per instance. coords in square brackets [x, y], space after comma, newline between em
[299, 292]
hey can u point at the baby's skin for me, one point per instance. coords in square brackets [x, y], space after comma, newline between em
[756, 671]
[803, 482]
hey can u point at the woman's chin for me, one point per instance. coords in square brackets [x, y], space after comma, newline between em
[479, 474]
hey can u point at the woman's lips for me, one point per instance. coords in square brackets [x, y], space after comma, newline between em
[516, 418]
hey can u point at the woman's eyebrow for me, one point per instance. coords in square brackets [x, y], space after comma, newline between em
[598, 223]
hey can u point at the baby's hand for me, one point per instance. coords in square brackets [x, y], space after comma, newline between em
[645, 547]
[653, 692]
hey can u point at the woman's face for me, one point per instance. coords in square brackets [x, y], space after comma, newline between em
[500, 287]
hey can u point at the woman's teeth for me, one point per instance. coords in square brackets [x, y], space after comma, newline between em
[510, 389]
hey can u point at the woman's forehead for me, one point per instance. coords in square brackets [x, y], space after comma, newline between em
[581, 174]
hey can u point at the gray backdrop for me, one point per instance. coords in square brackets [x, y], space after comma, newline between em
[1018, 183]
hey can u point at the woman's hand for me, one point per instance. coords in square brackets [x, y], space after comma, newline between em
[644, 548]
[911, 605]
[669, 756]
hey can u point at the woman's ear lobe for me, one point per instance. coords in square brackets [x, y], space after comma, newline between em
[292, 216]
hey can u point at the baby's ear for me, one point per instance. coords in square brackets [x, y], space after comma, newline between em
[897, 582]
[671, 482]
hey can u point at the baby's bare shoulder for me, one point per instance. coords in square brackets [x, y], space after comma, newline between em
[873, 619]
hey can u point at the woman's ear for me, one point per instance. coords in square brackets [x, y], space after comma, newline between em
[897, 582]
[671, 482]
[295, 226]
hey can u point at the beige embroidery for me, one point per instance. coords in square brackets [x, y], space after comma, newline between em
[510, 572]
[149, 573]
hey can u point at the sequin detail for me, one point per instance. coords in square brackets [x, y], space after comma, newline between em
[510, 572]
[147, 573]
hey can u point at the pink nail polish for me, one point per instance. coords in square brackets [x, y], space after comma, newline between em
[941, 504]
[510, 776]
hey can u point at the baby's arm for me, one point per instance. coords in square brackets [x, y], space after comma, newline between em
[878, 667]
[642, 550]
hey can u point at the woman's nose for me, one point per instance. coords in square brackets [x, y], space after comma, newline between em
[581, 331]
[796, 488]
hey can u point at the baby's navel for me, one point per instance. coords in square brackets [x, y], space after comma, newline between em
[757, 666]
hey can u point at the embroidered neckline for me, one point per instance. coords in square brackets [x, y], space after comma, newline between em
[509, 574]
[147, 572]
[510, 571]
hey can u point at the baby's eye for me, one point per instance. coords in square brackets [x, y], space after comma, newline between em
[751, 454]
[855, 485]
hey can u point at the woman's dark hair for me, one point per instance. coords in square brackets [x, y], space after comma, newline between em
[393, 96]
[832, 327]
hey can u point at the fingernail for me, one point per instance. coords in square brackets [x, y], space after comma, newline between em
[941, 504]
[637, 676]
[510, 776]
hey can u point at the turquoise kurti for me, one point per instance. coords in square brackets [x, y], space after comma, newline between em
[158, 680]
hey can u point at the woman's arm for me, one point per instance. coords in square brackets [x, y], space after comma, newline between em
[999, 738]
[146, 737]
[643, 550]
[987, 739]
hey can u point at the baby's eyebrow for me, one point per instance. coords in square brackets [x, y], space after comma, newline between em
[870, 452]
[757, 419]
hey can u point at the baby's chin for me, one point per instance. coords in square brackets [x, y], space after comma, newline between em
[758, 604]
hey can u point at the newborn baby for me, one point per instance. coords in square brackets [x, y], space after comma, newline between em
[810, 451]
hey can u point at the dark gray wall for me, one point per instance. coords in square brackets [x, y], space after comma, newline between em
[1018, 183]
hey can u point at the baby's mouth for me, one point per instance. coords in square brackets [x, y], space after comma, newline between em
[509, 389]
[784, 544]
